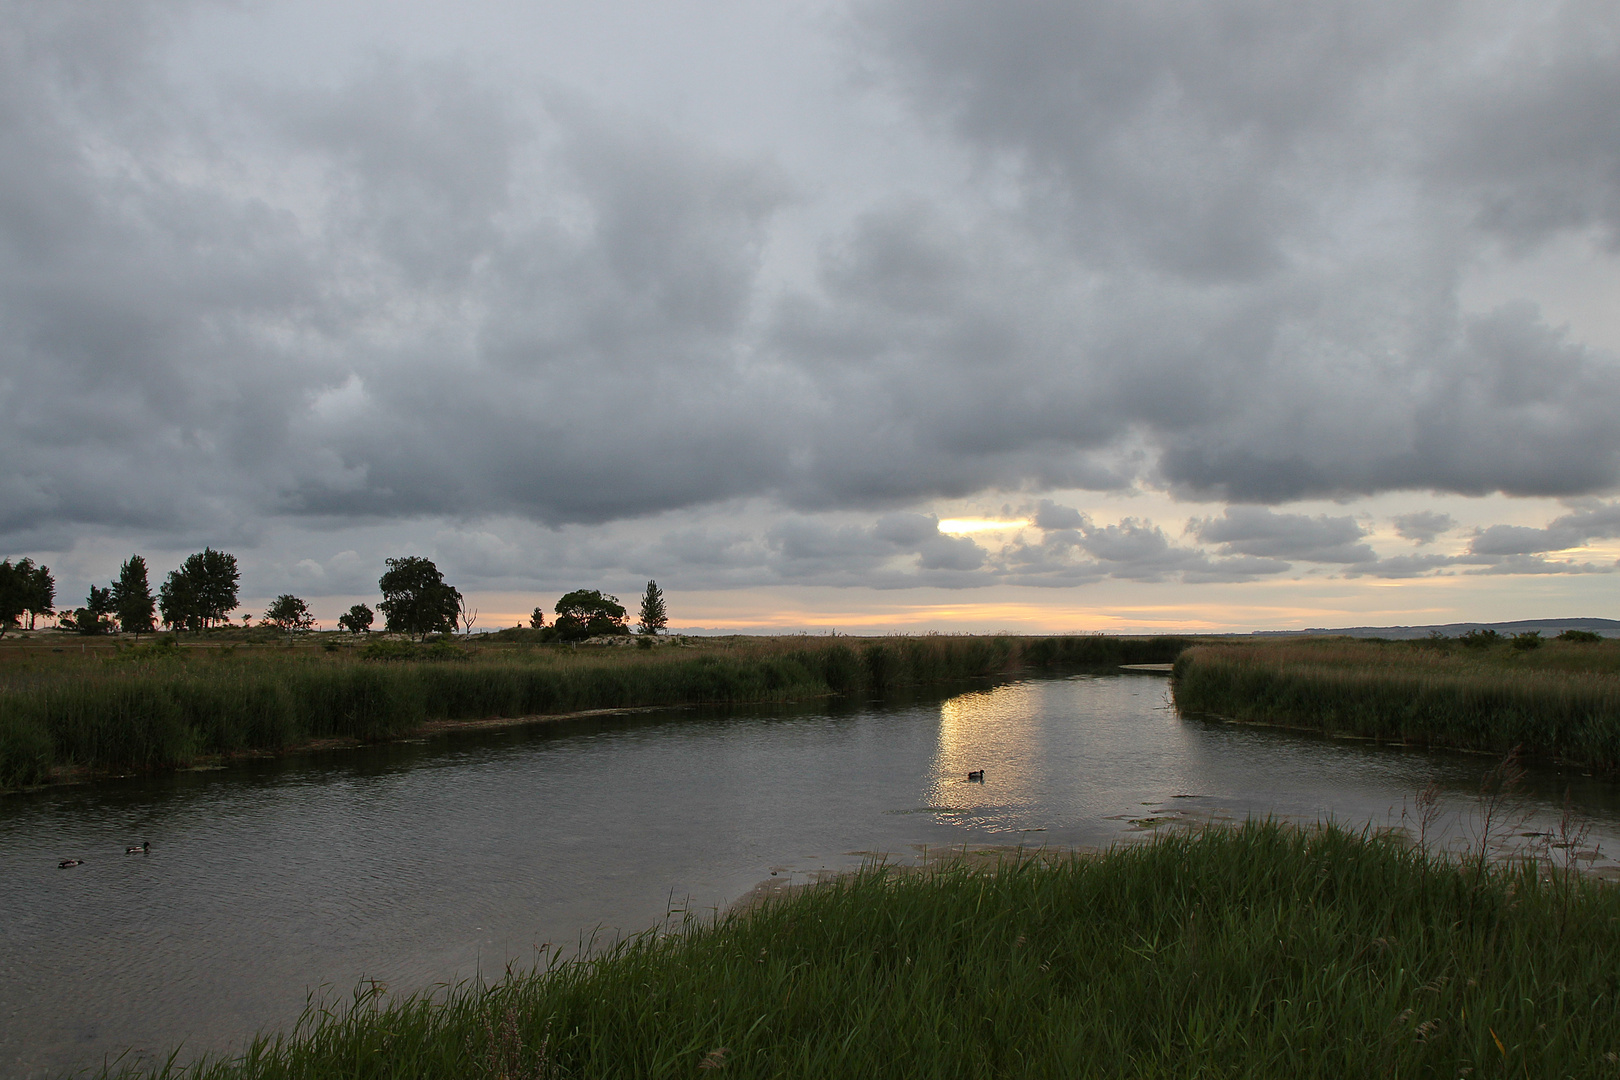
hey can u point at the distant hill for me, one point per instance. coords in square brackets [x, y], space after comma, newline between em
[1547, 628]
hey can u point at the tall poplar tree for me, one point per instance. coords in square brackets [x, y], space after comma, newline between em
[653, 616]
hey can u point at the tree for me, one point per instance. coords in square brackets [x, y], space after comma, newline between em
[132, 597]
[537, 619]
[217, 578]
[13, 594]
[92, 618]
[653, 616]
[39, 589]
[178, 602]
[587, 613]
[357, 620]
[416, 599]
[289, 613]
[202, 592]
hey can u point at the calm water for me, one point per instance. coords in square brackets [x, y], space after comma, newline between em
[423, 863]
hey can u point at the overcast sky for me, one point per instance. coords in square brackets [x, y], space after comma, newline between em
[906, 314]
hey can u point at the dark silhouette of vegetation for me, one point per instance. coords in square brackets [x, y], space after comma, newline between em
[1480, 639]
[202, 593]
[13, 595]
[587, 613]
[93, 618]
[416, 600]
[357, 620]
[1579, 635]
[537, 619]
[289, 614]
[132, 598]
[25, 589]
[1096, 650]
[653, 615]
[1530, 639]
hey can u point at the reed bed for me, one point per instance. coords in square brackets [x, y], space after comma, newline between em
[160, 706]
[1560, 700]
[1261, 951]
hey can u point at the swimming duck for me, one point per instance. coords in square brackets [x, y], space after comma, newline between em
[68, 864]
[145, 848]
[976, 776]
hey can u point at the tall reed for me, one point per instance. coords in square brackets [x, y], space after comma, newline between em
[1263, 951]
[1412, 692]
[170, 706]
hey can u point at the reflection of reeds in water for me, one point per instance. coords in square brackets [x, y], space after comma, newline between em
[1561, 700]
[1258, 951]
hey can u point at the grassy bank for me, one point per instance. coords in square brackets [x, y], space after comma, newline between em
[159, 707]
[1258, 952]
[1559, 700]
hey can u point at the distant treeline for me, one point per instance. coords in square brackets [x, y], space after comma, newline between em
[161, 706]
[1557, 699]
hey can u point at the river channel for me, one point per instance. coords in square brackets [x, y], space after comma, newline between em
[422, 863]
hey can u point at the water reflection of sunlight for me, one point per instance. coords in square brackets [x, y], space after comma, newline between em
[994, 730]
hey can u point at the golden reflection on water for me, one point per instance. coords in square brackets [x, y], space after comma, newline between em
[993, 730]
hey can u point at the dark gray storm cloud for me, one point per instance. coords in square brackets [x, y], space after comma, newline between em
[1214, 247]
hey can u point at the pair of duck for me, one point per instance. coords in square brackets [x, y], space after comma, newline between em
[143, 848]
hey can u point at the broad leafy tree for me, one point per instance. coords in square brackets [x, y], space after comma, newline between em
[178, 602]
[586, 613]
[202, 592]
[653, 616]
[357, 620]
[289, 613]
[218, 577]
[132, 597]
[416, 600]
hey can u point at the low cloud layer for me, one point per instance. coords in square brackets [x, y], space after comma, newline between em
[1208, 248]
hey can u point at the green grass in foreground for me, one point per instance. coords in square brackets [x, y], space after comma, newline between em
[1561, 700]
[1262, 951]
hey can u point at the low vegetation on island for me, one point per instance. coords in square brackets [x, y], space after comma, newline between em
[1262, 951]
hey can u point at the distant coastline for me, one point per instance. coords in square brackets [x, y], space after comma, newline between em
[1546, 627]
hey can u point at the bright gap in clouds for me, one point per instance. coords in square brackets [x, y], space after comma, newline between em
[965, 526]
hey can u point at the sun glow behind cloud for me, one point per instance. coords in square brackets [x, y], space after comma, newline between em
[965, 526]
